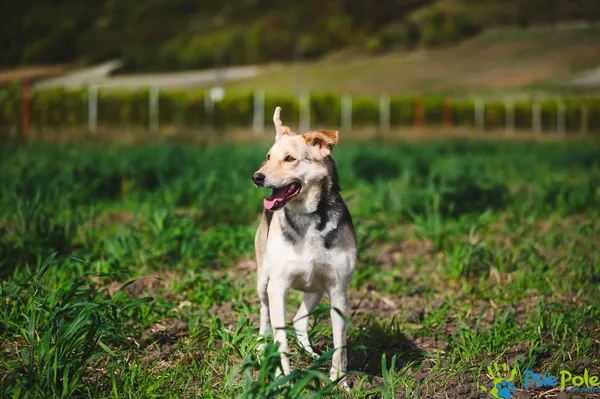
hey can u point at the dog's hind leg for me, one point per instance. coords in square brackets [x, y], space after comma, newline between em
[309, 303]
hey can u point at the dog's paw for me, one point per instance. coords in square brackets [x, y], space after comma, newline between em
[342, 385]
[311, 353]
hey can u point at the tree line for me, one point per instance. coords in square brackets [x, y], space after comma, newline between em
[184, 34]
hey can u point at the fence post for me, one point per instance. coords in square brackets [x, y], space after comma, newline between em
[584, 119]
[384, 114]
[346, 122]
[560, 117]
[43, 113]
[536, 117]
[304, 102]
[447, 113]
[509, 115]
[25, 110]
[479, 114]
[92, 108]
[153, 109]
[419, 113]
[258, 115]
[209, 108]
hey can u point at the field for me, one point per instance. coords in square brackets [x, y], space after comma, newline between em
[128, 272]
[496, 61]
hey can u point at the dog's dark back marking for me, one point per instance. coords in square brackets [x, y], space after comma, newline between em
[331, 239]
[329, 208]
[331, 204]
[333, 207]
[333, 173]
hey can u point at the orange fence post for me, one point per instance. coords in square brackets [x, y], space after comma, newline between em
[447, 113]
[25, 110]
[419, 113]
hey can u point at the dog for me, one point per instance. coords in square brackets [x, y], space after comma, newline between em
[306, 239]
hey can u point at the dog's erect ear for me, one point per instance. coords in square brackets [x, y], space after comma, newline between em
[280, 129]
[321, 142]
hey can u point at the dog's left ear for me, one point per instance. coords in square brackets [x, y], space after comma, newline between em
[321, 142]
[280, 129]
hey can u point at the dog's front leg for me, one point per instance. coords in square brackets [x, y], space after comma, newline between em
[339, 312]
[277, 295]
[265, 320]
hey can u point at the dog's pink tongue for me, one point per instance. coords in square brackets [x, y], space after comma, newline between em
[276, 199]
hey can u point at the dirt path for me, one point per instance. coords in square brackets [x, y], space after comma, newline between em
[100, 75]
[589, 78]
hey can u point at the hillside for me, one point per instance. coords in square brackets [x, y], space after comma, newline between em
[498, 60]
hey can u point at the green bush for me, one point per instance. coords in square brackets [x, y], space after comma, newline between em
[234, 111]
[495, 115]
[193, 109]
[290, 110]
[593, 113]
[430, 23]
[573, 109]
[325, 110]
[402, 111]
[209, 49]
[228, 46]
[404, 34]
[442, 23]
[123, 108]
[170, 107]
[10, 108]
[463, 112]
[434, 110]
[365, 111]
[523, 114]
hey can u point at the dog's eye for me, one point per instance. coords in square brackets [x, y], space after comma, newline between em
[268, 156]
[290, 158]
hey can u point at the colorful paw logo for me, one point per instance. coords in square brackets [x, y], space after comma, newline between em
[503, 386]
[505, 389]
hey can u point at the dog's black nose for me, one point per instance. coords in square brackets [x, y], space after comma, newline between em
[258, 179]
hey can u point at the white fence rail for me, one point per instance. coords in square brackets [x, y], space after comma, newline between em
[538, 115]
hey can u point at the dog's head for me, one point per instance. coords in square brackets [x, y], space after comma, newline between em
[296, 167]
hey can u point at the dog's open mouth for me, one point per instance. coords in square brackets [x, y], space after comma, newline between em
[281, 196]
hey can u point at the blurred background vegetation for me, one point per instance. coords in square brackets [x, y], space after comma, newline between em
[186, 34]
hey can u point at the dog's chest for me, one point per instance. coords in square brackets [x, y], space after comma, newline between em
[300, 257]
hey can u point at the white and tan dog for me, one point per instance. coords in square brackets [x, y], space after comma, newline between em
[306, 240]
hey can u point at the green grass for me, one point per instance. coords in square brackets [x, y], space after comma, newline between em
[505, 60]
[128, 272]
